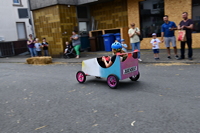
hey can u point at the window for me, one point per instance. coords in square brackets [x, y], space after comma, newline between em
[21, 31]
[23, 13]
[196, 15]
[16, 2]
[82, 12]
[82, 26]
[151, 17]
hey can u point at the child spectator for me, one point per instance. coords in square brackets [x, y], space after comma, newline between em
[68, 47]
[45, 47]
[124, 46]
[38, 46]
[155, 46]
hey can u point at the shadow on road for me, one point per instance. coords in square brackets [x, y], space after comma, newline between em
[123, 84]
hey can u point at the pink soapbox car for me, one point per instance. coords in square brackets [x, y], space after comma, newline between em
[118, 71]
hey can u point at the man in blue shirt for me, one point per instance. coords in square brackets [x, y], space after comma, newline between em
[167, 31]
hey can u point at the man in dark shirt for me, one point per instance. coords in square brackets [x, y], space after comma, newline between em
[186, 24]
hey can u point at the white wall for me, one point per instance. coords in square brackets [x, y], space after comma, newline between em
[9, 17]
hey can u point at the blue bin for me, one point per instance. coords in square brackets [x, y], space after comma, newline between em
[108, 40]
[85, 43]
[118, 37]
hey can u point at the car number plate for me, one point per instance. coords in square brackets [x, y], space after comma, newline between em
[130, 70]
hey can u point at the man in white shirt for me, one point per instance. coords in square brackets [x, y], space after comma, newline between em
[133, 33]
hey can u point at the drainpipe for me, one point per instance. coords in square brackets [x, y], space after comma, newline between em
[31, 19]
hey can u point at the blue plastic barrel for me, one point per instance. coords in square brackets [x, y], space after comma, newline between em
[108, 40]
[118, 37]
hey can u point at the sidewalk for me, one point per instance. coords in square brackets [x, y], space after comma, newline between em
[146, 56]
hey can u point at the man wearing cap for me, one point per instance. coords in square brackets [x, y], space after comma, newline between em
[134, 33]
[167, 31]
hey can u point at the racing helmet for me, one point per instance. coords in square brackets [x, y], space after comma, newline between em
[117, 46]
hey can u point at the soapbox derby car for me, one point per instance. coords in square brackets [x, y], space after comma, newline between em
[119, 70]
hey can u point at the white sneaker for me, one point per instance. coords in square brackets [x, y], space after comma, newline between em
[139, 59]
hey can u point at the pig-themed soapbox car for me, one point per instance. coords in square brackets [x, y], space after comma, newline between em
[119, 70]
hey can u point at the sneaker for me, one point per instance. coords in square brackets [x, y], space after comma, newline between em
[139, 59]
[181, 58]
[169, 57]
[177, 57]
[190, 58]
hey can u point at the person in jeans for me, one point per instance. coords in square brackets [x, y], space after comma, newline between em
[186, 24]
[45, 47]
[76, 43]
[38, 46]
[133, 33]
[167, 31]
[31, 45]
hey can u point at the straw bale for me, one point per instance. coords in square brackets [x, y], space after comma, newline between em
[39, 60]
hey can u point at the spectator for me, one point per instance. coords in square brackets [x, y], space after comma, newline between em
[76, 43]
[186, 24]
[38, 46]
[155, 46]
[124, 45]
[167, 31]
[45, 47]
[134, 38]
[31, 45]
[68, 47]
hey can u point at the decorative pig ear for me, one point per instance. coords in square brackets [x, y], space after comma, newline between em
[136, 51]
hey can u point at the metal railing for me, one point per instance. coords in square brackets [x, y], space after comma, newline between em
[12, 48]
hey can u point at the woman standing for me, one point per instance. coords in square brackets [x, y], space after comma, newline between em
[134, 38]
[76, 43]
[31, 46]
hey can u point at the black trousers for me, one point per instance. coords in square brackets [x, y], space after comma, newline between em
[189, 44]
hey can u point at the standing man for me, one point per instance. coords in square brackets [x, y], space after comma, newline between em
[186, 24]
[134, 33]
[167, 31]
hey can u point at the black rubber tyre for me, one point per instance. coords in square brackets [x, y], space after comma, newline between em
[112, 81]
[136, 77]
[65, 56]
[80, 76]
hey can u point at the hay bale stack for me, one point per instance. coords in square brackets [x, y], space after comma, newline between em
[39, 60]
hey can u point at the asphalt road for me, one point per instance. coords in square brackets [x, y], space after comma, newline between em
[48, 99]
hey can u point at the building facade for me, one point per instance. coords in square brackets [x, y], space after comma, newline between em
[15, 25]
[56, 19]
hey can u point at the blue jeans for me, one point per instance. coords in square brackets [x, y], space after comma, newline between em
[46, 53]
[32, 52]
[136, 46]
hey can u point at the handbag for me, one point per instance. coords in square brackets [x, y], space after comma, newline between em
[182, 35]
[140, 36]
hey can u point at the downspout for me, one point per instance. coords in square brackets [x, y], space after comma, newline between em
[31, 19]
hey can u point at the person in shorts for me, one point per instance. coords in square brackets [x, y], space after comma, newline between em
[155, 46]
[167, 31]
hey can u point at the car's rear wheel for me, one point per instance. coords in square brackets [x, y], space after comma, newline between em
[136, 77]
